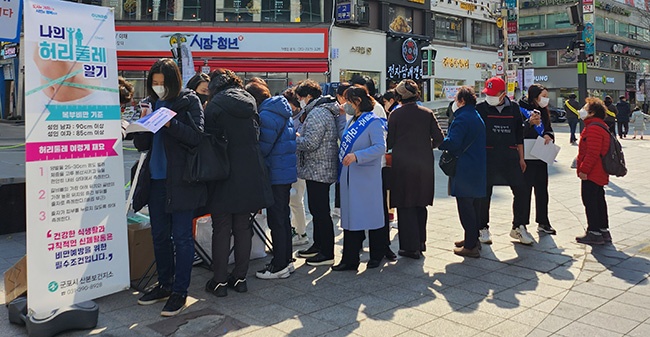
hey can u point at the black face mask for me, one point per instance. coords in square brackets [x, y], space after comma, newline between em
[203, 98]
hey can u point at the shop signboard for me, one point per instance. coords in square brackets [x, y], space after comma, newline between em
[223, 42]
[76, 227]
[10, 20]
[403, 58]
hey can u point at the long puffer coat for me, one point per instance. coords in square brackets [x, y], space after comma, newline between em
[247, 188]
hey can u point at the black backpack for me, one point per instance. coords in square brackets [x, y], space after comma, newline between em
[613, 160]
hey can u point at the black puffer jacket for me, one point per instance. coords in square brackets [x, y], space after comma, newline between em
[248, 188]
[181, 195]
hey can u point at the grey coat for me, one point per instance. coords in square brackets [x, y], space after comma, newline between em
[317, 146]
[638, 120]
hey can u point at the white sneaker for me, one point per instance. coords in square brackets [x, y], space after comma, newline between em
[269, 273]
[299, 239]
[484, 236]
[336, 211]
[522, 235]
[291, 268]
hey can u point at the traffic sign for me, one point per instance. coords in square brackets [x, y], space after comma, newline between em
[500, 69]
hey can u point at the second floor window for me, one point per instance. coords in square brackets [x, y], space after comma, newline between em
[484, 33]
[448, 28]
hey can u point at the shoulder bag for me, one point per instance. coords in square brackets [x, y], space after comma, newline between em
[448, 161]
[207, 161]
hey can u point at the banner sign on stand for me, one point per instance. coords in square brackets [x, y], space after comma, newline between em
[588, 34]
[76, 227]
[10, 20]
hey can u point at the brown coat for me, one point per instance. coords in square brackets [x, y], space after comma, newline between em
[413, 132]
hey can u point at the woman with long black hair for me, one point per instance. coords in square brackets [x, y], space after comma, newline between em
[171, 200]
[538, 124]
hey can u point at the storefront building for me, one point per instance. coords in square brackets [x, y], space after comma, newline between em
[466, 40]
[621, 56]
[8, 80]
[358, 52]
[281, 56]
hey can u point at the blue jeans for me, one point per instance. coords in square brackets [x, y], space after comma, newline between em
[173, 244]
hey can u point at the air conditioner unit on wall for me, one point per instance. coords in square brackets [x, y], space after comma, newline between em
[352, 12]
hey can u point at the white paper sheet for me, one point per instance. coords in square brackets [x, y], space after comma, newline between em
[545, 152]
[151, 122]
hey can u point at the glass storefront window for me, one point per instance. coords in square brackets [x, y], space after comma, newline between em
[236, 10]
[448, 28]
[478, 88]
[439, 85]
[534, 22]
[616, 62]
[551, 58]
[611, 26]
[345, 75]
[539, 58]
[310, 10]
[276, 11]
[623, 29]
[139, 81]
[600, 24]
[483, 33]
[558, 20]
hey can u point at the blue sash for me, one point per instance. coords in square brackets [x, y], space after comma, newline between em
[539, 128]
[350, 135]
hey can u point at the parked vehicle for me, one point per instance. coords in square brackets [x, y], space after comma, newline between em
[558, 115]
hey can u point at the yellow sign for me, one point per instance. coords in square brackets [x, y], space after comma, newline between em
[500, 22]
[467, 6]
[417, 1]
[450, 62]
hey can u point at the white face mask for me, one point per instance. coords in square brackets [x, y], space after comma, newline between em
[583, 113]
[493, 100]
[159, 90]
[543, 101]
[454, 106]
[303, 103]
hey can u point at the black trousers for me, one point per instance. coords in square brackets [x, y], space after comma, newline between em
[223, 226]
[280, 225]
[353, 241]
[593, 197]
[468, 214]
[623, 128]
[411, 223]
[318, 201]
[337, 195]
[483, 206]
[536, 178]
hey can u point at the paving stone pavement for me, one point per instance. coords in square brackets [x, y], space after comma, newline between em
[554, 288]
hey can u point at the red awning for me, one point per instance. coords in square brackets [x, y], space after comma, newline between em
[279, 66]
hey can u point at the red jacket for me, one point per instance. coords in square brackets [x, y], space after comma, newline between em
[594, 143]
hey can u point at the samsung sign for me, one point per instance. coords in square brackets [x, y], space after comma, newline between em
[541, 78]
[604, 79]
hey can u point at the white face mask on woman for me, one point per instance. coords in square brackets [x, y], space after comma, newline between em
[583, 113]
[543, 101]
[493, 100]
[159, 90]
[454, 106]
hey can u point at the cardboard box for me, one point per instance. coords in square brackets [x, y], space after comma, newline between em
[16, 280]
[140, 248]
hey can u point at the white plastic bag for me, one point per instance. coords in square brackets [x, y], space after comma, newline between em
[203, 236]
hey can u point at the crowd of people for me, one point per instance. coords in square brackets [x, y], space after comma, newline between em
[303, 141]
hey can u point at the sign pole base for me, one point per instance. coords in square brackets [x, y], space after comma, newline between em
[81, 316]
